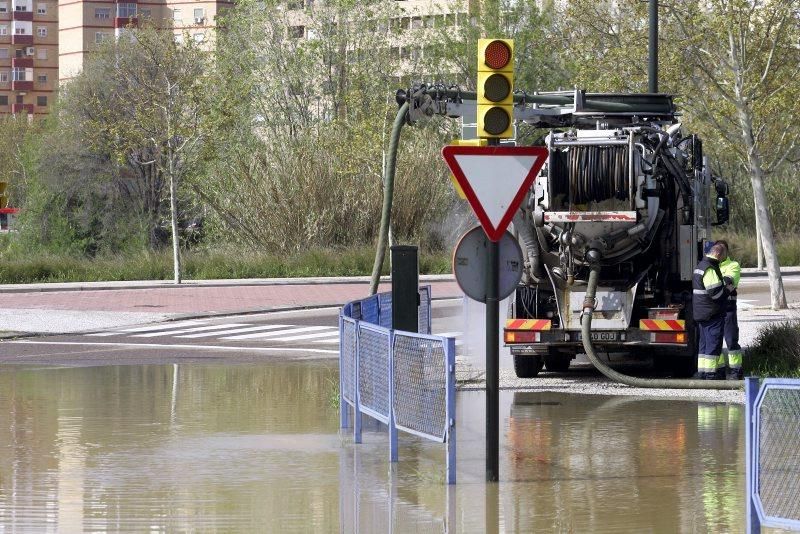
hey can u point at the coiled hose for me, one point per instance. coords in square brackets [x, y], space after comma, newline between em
[586, 332]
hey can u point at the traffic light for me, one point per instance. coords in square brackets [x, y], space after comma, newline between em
[495, 88]
[3, 195]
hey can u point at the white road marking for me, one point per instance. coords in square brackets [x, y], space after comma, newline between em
[308, 336]
[165, 346]
[236, 331]
[262, 335]
[329, 341]
[450, 334]
[151, 328]
[186, 330]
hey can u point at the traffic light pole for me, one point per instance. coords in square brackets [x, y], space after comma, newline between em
[492, 360]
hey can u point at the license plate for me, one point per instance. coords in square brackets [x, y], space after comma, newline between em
[599, 336]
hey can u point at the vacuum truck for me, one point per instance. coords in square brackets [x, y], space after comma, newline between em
[630, 192]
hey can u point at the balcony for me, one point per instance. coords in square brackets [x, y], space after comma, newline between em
[18, 85]
[18, 108]
[18, 39]
[22, 62]
[23, 15]
[124, 22]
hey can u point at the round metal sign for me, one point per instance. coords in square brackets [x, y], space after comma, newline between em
[470, 264]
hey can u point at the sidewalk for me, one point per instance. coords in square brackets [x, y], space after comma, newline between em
[64, 308]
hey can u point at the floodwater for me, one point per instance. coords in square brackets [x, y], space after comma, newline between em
[256, 448]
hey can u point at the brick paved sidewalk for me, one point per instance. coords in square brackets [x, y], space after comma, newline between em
[205, 299]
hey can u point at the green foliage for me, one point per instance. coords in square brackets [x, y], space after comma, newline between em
[775, 352]
[743, 248]
[199, 265]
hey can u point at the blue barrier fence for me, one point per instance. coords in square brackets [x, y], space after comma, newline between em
[773, 453]
[405, 380]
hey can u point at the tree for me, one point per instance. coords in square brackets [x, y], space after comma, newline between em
[142, 99]
[744, 64]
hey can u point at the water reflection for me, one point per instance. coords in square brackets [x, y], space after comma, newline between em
[257, 448]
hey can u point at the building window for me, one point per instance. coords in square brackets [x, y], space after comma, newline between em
[41, 101]
[3, 100]
[145, 13]
[176, 15]
[126, 11]
[18, 74]
[41, 31]
[3, 7]
[199, 15]
[199, 37]
[4, 77]
[3, 30]
[99, 37]
[19, 30]
[41, 53]
[102, 13]
[41, 9]
[42, 78]
[3, 53]
[21, 7]
[19, 99]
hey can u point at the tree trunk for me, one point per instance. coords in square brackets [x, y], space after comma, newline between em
[759, 246]
[763, 221]
[173, 212]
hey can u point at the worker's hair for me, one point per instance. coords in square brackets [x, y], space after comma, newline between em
[723, 242]
[719, 251]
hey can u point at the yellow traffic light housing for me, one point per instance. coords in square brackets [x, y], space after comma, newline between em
[495, 88]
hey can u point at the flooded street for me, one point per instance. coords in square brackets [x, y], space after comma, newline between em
[257, 448]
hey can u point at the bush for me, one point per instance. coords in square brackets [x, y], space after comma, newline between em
[776, 351]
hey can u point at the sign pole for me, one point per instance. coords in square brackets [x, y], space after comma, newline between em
[492, 365]
[492, 360]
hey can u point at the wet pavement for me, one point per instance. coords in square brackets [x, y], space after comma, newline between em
[256, 447]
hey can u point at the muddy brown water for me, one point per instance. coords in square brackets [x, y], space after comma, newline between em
[256, 448]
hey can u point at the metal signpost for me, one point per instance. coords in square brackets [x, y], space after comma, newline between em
[495, 180]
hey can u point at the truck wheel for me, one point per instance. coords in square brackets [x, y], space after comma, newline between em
[557, 363]
[527, 366]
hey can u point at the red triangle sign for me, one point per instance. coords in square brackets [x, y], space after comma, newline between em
[495, 180]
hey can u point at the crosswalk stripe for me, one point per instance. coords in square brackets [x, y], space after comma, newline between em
[261, 335]
[151, 328]
[186, 330]
[330, 340]
[236, 331]
[165, 326]
[450, 334]
[307, 336]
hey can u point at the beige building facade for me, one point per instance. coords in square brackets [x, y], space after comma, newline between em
[28, 55]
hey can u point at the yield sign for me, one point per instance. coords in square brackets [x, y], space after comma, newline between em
[495, 180]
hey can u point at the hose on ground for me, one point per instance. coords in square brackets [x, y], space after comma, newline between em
[388, 192]
[586, 332]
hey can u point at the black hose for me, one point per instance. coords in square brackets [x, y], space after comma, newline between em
[586, 332]
[388, 192]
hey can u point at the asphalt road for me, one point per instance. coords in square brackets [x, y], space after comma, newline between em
[298, 335]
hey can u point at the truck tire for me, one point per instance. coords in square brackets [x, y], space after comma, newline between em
[527, 366]
[557, 363]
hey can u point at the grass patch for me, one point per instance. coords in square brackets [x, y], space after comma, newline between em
[202, 265]
[743, 248]
[775, 352]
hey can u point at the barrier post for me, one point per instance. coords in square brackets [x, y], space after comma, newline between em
[393, 444]
[405, 288]
[357, 387]
[753, 524]
[343, 408]
[450, 403]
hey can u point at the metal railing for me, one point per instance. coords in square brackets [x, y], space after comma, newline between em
[405, 380]
[773, 453]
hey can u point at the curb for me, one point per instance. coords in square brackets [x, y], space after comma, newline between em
[163, 284]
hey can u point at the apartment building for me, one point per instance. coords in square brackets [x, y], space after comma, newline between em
[86, 23]
[28, 55]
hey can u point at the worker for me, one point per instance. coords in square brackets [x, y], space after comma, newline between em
[732, 354]
[709, 301]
